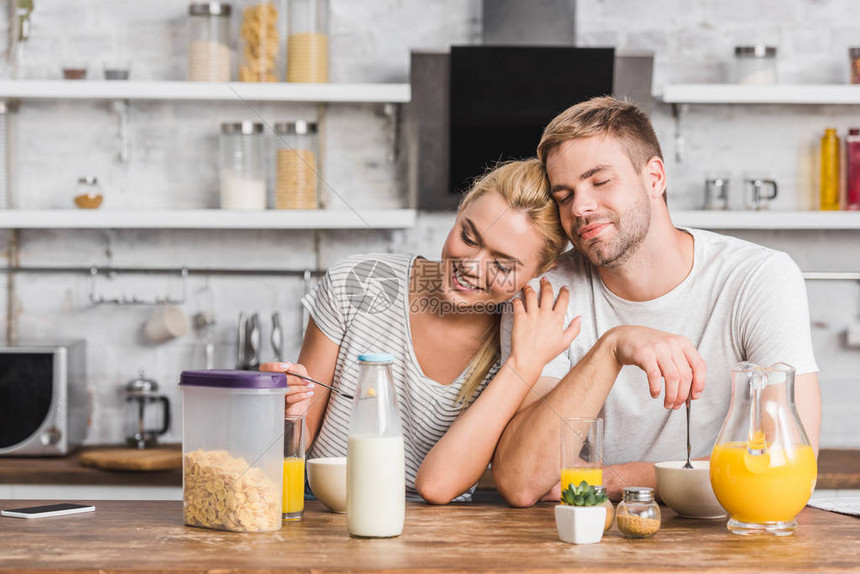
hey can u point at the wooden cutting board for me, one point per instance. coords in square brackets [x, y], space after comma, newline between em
[133, 459]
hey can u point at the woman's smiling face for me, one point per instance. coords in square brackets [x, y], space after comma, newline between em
[491, 252]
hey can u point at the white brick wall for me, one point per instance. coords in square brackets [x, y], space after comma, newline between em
[174, 165]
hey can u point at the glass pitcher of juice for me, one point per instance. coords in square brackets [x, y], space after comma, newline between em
[763, 469]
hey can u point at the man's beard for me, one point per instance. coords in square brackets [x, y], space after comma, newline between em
[632, 226]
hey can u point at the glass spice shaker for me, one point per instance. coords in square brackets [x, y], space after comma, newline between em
[638, 515]
[87, 193]
[610, 510]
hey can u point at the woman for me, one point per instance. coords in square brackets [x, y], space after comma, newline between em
[440, 319]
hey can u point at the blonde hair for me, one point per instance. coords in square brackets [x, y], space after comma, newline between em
[525, 187]
[604, 116]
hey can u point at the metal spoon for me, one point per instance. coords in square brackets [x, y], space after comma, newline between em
[316, 382]
[689, 448]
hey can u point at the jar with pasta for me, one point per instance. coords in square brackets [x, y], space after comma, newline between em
[232, 449]
[259, 43]
[307, 41]
[209, 57]
[296, 166]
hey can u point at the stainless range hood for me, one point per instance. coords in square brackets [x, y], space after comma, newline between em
[546, 23]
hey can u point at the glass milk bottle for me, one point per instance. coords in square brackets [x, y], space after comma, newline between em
[375, 466]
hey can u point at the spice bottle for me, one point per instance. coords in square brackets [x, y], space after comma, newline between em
[610, 510]
[829, 170]
[87, 193]
[638, 515]
[852, 146]
[854, 56]
[307, 41]
[296, 166]
[209, 42]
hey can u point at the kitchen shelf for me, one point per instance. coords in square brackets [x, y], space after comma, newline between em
[206, 219]
[770, 94]
[197, 91]
[767, 219]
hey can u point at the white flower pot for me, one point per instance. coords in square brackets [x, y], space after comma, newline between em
[580, 524]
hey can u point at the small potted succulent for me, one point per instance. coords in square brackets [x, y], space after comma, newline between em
[581, 516]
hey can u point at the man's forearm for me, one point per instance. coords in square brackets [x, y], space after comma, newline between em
[526, 463]
[618, 476]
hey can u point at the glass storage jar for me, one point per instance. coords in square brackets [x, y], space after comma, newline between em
[854, 57]
[638, 515]
[259, 43]
[307, 41]
[209, 57]
[296, 166]
[243, 176]
[87, 193]
[755, 64]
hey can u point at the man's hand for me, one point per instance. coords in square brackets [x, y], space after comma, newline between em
[665, 358]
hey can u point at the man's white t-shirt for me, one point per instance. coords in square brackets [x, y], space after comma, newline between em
[740, 302]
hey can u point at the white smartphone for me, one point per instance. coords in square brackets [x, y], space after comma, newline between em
[47, 510]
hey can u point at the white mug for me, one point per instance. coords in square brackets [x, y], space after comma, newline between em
[166, 322]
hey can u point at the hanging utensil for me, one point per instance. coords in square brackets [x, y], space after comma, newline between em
[253, 340]
[241, 354]
[277, 336]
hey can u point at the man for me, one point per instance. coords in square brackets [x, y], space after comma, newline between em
[664, 311]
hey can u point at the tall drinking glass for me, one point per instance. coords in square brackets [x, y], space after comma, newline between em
[294, 468]
[581, 451]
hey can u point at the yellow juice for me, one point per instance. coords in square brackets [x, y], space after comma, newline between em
[575, 475]
[770, 487]
[294, 485]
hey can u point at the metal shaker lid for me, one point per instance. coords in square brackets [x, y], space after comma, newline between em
[638, 494]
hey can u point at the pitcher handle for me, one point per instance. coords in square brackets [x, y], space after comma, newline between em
[757, 442]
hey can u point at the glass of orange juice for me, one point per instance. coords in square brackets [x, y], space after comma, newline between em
[294, 468]
[581, 451]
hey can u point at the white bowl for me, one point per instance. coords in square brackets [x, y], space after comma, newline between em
[688, 491]
[327, 478]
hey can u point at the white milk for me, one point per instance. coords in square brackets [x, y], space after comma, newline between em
[375, 486]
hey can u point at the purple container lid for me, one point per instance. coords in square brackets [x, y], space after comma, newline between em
[227, 379]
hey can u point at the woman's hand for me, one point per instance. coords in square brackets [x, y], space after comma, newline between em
[539, 334]
[300, 393]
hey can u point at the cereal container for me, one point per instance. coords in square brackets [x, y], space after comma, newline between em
[232, 449]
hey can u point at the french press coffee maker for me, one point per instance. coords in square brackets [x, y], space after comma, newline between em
[145, 422]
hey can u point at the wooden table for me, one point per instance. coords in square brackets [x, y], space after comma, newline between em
[149, 536]
[836, 469]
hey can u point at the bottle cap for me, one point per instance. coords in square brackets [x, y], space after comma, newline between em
[383, 358]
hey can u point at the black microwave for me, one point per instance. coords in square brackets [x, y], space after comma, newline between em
[43, 398]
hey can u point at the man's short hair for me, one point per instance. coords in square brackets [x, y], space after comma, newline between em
[604, 116]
